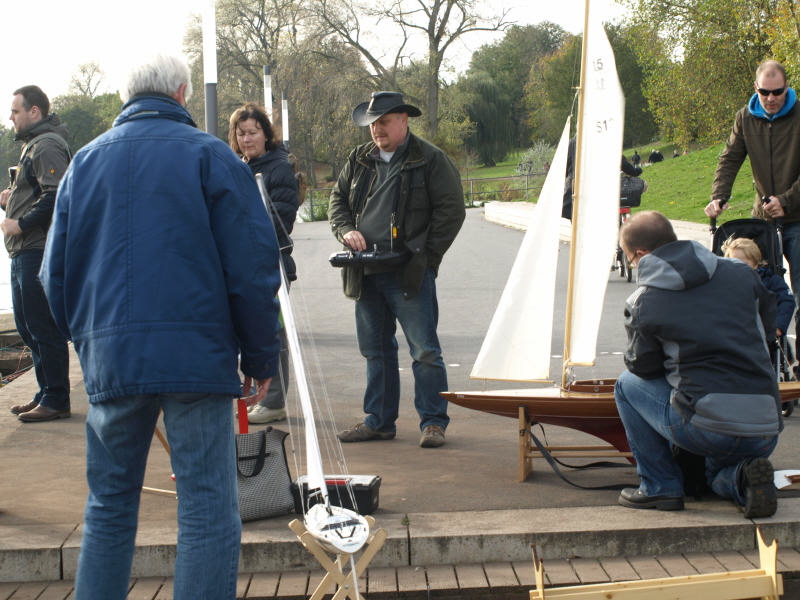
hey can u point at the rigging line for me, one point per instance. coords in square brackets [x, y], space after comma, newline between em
[326, 431]
[320, 397]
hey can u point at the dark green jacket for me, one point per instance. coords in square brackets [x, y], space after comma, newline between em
[430, 210]
[43, 162]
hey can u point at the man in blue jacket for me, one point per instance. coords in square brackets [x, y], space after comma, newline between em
[162, 267]
[712, 395]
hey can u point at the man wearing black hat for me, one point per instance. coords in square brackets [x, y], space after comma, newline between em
[399, 200]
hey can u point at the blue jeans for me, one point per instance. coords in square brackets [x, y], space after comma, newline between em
[203, 455]
[652, 426]
[381, 306]
[39, 331]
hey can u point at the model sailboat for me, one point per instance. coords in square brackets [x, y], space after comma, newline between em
[337, 529]
[517, 346]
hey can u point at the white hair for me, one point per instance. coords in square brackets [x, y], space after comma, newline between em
[162, 74]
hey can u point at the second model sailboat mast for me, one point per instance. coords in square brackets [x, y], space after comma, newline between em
[566, 363]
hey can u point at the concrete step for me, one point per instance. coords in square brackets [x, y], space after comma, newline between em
[50, 552]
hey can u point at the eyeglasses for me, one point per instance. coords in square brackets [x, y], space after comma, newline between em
[776, 92]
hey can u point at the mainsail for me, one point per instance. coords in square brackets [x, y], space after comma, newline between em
[517, 345]
[596, 205]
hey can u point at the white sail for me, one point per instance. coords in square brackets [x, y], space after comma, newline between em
[338, 529]
[517, 345]
[597, 193]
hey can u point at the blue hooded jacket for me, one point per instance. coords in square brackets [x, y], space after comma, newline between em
[755, 108]
[162, 262]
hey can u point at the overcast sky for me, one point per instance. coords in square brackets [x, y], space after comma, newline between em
[45, 45]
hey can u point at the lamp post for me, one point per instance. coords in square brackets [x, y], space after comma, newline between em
[268, 93]
[285, 120]
[210, 65]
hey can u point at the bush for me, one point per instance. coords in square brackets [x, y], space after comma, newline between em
[536, 159]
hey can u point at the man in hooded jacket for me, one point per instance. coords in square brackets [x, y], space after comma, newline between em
[766, 130]
[714, 395]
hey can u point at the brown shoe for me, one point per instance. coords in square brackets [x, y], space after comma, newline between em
[43, 413]
[18, 409]
[432, 437]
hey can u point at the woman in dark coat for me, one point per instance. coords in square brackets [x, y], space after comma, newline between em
[251, 136]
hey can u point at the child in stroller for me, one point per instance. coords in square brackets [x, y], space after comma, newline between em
[749, 251]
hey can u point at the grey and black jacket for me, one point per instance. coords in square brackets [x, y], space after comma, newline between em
[705, 324]
[429, 216]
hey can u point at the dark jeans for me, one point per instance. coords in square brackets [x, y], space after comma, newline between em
[38, 330]
[381, 306]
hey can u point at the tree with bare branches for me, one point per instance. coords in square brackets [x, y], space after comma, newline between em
[87, 80]
[401, 25]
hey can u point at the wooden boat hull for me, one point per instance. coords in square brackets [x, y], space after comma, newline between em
[586, 406]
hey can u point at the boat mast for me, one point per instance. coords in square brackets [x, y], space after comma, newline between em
[576, 194]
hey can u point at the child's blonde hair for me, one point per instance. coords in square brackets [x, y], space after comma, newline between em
[744, 245]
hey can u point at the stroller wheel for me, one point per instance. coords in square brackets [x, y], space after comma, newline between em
[787, 408]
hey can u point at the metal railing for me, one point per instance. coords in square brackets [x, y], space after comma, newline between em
[476, 193]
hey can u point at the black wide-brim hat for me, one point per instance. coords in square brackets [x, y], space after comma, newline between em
[382, 103]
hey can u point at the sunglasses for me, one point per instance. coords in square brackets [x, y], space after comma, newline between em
[776, 92]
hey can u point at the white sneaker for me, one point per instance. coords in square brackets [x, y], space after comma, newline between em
[262, 414]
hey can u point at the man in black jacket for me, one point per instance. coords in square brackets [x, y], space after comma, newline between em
[401, 196]
[711, 395]
[29, 207]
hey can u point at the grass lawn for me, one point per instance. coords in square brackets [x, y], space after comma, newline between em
[678, 187]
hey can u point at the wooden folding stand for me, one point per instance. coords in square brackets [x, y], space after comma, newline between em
[334, 565]
[764, 583]
[528, 451]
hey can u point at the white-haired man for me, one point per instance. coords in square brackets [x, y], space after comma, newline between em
[162, 268]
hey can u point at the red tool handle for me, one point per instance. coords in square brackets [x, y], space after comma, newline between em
[241, 410]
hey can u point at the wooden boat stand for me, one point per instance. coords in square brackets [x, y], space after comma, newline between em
[764, 583]
[528, 451]
[334, 567]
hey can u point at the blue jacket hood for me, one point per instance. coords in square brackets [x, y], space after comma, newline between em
[755, 108]
[680, 265]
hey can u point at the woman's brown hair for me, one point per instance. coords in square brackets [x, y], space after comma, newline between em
[251, 110]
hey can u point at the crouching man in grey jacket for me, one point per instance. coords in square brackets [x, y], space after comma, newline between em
[699, 375]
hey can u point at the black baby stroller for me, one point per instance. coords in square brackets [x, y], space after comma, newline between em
[768, 237]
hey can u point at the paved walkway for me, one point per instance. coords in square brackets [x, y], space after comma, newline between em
[450, 509]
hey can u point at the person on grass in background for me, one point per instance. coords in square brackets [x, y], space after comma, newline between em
[162, 266]
[711, 395]
[400, 193]
[251, 136]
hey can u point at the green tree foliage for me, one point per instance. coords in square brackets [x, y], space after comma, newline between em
[552, 85]
[699, 57]
[550, 91]
[784, 33]
[490, 110]
[86, 117]
[640, 126]
[508, 63]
